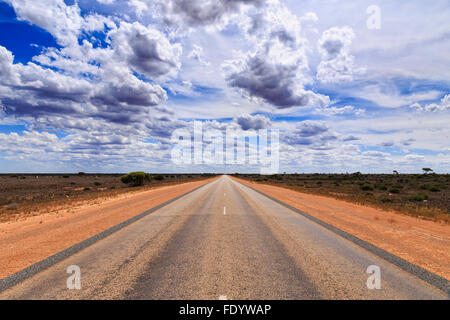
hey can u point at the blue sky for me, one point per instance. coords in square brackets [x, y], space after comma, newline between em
[100, 86]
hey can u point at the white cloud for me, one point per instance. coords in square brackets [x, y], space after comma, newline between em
[249, 122]
[345, 110]
[146, 50]
[337, 63]
[63, 21]
[194, 13]
[106, 84]
[388, 96]
[198, 55]
[309, 134]
[275, 72]
[433, 107]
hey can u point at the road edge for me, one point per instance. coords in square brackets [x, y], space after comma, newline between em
[429, 277]
[40, 266]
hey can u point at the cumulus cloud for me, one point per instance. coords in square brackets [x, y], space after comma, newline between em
[375, 155]
[275, 72]
[63, 21]
[200, 13]
[345, 110]
[249, 122]
[350, 138]
[36, 91]
[146, 50]
[433, 107]
[314, 134]
[337, 63]
[104, 85]
[80, 80]
[198, 55]
[131, 92]
[108, 95]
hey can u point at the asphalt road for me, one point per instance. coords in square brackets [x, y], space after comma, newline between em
[223, 240]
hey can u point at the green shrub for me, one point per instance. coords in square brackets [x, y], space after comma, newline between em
[65, 176]
[435, 189]
[366, 187]
[418, 197]
[96, 183]
[81, 173]
[159, 177]
[137, 178]
[394, 190]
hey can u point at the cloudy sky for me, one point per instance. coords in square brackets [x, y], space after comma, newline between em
[100, 86]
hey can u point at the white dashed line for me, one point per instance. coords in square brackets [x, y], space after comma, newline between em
[224, 210]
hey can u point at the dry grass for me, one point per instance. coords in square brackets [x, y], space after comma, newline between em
[423, 196]
[31, 195]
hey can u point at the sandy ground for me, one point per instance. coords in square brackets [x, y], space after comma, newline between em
[424, 243]
[28, 241]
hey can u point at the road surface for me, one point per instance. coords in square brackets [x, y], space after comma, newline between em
[223, 240]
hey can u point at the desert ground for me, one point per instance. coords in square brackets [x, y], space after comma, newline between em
[426, 196]
[24, 195]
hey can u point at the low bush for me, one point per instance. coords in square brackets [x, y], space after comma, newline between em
[418, 197]
[366, 187]
[381, 187]
[137, 178]
[158, 177]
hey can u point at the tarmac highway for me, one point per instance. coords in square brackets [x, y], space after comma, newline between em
[223, 241]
